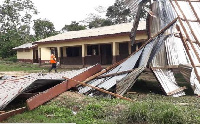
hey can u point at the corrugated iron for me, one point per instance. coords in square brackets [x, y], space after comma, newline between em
[167, 81]
[11, 88]
[123, 85]
[48, 94]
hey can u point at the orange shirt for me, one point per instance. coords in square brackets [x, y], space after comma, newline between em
[52, 59]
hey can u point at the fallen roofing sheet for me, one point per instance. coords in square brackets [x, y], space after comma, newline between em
[167, 81]
[50, 93]
[108, 82]
[128, 81]
[11, 88]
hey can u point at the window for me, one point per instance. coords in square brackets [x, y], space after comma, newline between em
[92, 50]
[73, 51]
[123, 48]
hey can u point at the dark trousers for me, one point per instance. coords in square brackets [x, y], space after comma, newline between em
[53, 67]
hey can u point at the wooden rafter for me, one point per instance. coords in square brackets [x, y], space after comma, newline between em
[190, 27]
[187, 50]
[184, 29]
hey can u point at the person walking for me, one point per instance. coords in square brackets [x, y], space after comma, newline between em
[53, 62]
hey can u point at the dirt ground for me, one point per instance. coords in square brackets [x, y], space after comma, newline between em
[13, 73]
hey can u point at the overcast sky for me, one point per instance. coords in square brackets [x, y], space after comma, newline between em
[62, 12]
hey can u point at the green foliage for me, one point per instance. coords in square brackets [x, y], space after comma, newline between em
[15, 22]
[158, 113]
[99, 22]
[119, 13]
[12, 59]
[44, 28]
[74, 26]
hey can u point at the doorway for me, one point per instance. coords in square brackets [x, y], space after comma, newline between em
[106, 54]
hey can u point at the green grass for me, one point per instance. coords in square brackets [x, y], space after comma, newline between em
[150, 110]
[17, 66]
[151, 106]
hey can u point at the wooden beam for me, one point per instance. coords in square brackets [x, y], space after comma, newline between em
[135, 23]
[189, 20]
[52, 92]
[187, 50]
[176, 91]
[186, 45]
[8, 114]
[99, 89]
[165, 67]
[190, 27]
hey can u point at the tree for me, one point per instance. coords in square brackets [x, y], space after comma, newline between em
[15, 19]
[74, 26]
[99, 22]
[119, 13]
[44, 28]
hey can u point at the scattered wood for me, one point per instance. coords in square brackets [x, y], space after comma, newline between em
[8, 114]
[176, 91]
[131, 92]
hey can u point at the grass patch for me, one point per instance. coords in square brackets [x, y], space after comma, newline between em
[152, 109]
[17, 66]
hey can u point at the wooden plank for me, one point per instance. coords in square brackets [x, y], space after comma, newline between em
[8, 114]
[176, 91]
[165, 67]
[49, 94]
[99, 89]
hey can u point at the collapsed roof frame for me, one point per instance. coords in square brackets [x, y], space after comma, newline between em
[186, 33]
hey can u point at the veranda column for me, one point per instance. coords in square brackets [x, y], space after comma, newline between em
[84, 53]
[115, 51]
[59, 54]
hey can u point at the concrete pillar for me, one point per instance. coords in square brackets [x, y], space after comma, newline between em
[115, 51]
[59, 54]
[84, 53]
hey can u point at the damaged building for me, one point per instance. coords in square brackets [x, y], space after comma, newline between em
[172, 43]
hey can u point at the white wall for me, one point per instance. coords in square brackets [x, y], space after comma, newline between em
[25, 55]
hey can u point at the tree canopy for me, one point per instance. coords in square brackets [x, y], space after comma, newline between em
[74, 26]
[15, 20]
[44, 28]
[119, 13]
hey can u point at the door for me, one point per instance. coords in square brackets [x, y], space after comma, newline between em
[106, 54]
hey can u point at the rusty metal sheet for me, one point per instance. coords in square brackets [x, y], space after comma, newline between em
[8, 114]
[47, 95]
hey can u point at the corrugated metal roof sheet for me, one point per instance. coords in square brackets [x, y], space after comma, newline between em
[107, 83]
[167, 81]
[113, 29]
[25, 46]
[11, 88]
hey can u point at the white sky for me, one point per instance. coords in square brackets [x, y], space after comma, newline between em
[61, 12]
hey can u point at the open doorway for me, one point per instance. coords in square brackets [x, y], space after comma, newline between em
[106, 54]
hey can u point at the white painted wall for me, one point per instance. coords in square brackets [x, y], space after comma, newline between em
[25, 55]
